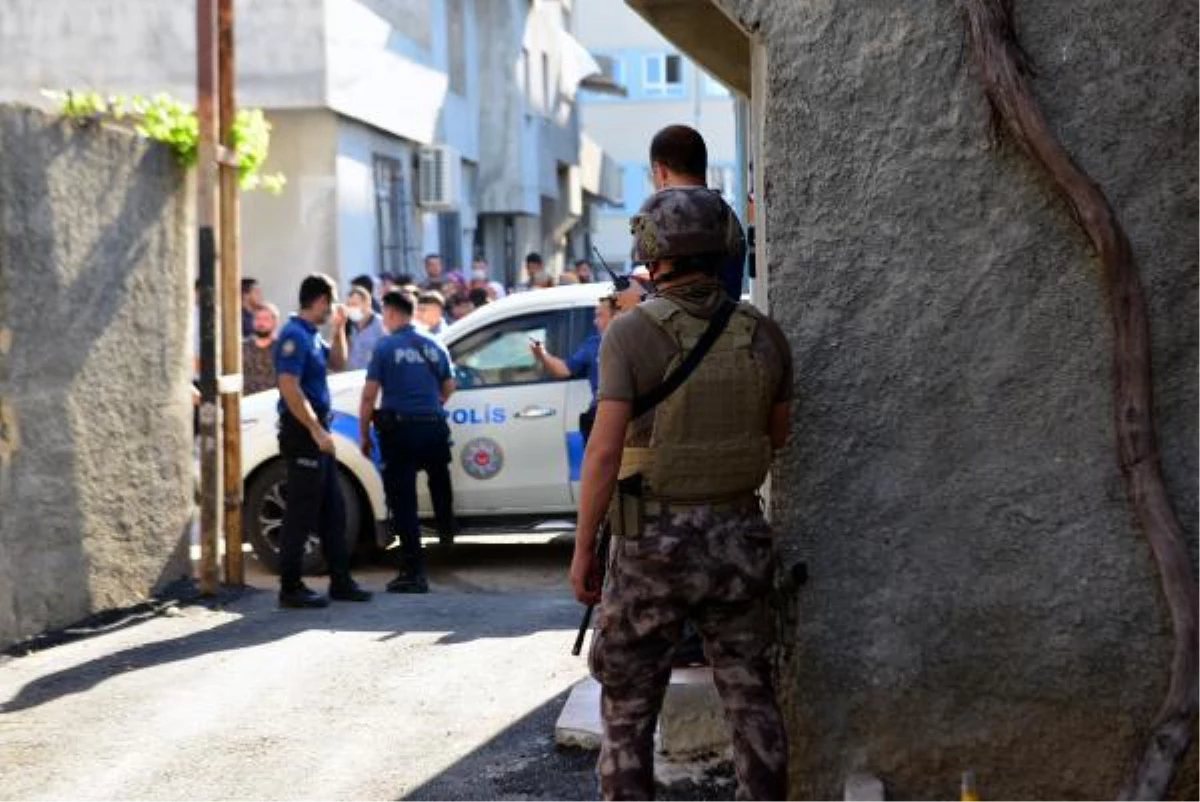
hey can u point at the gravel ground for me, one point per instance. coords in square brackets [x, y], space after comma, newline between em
[453, 695]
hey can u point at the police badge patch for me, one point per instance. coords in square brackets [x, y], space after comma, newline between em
[482, 458]
[288, 347]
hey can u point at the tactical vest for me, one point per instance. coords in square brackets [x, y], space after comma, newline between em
[709, 441]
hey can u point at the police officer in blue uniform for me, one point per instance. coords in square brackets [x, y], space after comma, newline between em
[314, 497]
[414, 375]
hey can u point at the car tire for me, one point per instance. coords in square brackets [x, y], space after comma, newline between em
[262, 521]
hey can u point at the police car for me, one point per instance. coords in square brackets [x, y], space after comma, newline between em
[516, 444]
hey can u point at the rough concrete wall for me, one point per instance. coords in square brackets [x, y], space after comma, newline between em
[980, 595]
[95, 451]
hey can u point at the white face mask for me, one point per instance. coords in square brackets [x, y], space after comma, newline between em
[355, 314]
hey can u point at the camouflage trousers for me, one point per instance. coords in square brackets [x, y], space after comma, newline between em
[716, 569]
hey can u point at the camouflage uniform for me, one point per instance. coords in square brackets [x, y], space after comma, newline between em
[716, 569]
[710, 563]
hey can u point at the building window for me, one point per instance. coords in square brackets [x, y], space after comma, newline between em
[614, 68]
[457, 46]
[663, 75]
[547, 96]
[450, 240]
[391, 221]
[713, 87]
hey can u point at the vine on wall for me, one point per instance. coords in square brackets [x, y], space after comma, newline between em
[174, 123]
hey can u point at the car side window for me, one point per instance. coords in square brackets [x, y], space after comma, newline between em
[582, 326]
[500, 354]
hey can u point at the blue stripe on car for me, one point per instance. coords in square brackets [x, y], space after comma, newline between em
[347, 426]
[574, 454]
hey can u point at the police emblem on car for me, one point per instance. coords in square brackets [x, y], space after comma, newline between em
[482, 458]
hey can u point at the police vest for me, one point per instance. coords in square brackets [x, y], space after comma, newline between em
[709, 441]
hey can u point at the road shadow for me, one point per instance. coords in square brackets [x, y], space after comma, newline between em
[523, 762]
[456, 615]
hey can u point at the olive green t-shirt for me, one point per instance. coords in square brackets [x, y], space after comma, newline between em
[635, 353]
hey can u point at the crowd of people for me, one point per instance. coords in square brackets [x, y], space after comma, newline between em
[439, 299]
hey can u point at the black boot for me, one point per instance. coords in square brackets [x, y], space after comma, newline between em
[348, 590]
[300, 597]
[409, 582]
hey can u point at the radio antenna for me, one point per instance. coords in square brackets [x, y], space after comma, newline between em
[620, 283]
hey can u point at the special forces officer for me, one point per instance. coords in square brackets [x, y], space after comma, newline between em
[414, 374]
[691, 541]
[314, 496]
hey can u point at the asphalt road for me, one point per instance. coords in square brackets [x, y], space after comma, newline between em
[452, 695]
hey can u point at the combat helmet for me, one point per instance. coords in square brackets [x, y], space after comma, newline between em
[679, 222]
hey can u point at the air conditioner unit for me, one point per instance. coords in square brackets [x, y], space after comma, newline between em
[439, 175]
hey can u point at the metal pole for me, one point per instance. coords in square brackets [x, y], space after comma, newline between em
[206, 208]
[231, 284]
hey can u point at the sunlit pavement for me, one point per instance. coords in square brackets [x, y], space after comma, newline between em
[353, 702]
[448, 695]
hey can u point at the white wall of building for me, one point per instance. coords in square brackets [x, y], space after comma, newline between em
[149, 46]
[287, 236]
[375, 74]
[625, 129]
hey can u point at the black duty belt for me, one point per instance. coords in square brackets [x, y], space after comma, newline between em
[398, 417]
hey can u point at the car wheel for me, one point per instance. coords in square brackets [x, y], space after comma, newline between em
[262, 518]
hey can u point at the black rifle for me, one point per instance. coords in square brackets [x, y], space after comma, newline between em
[602, 542]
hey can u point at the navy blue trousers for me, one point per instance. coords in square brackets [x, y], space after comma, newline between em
[314, 504]
[409, 447]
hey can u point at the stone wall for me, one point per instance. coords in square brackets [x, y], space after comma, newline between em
[95, 441]
[980, 595]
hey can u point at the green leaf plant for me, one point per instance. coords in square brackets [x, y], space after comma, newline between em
[173, 122]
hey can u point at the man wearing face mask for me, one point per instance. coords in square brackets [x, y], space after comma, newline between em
[365, 328]
[315, 502]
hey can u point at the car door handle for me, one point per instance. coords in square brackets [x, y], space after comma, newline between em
[536, 412]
